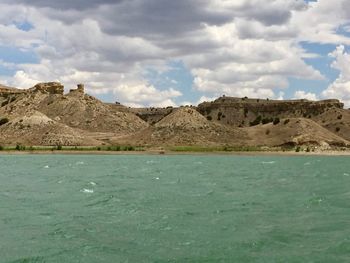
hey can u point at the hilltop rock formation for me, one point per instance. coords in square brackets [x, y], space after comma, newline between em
[240, 112]
[49, 88]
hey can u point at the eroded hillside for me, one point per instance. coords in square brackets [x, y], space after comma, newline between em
[45, 115]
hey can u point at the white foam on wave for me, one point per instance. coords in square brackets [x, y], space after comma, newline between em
[92, 183]
[308, 163]
[79, 163]
[270, 162]
[87, 191]
[46, 166]
[151, 162]
[346, 174]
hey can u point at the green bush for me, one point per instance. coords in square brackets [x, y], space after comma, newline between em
[4, 121]
[246, 112]
[130, 148]
[2, 148]
[219, 115]
[266, 120]
[59, 147]
[256, 121]
[20, 147]
[298, 149]
[276, 121]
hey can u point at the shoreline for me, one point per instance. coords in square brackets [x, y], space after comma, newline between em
[170, 153]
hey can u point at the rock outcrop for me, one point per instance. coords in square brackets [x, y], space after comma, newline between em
[49, 87]
[240, 112]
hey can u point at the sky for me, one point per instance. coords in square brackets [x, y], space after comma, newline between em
[169, 53]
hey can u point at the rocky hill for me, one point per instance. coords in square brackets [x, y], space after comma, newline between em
[241, 112]
[45, 115]
[74, 109]
[293, 132]
[186, 126]
[35, 128]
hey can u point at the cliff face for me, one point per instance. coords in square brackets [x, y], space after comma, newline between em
[242, 111]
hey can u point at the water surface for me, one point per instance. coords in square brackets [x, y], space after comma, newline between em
[71, 208]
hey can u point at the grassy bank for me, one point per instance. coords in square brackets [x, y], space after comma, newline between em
[216, 149]
[72, 148]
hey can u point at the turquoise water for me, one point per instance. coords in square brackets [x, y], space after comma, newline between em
[71, 208]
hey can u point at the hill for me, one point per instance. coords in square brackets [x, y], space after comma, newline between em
[36, 128]
[186, 126]
[46, 115]
[293, 132]
[75, 109]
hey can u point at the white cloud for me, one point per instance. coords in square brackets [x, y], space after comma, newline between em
[340, 88]
[300, 94]
[239, 48]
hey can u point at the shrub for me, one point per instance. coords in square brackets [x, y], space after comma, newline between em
[308, 149]
[276, 121]
[20, 147]
[337, 129]
[286, 121]
[59, 147]
[4, 121]
[298, 149]
[340, 117]
[256, 121]
[267, 120]
[246, 112]
[209, 118]
[1, 148]
[267, 132]
[219, 115]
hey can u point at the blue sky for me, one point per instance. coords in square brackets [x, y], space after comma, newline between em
[171, 53]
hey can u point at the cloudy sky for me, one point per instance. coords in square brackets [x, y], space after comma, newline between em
[167, 52]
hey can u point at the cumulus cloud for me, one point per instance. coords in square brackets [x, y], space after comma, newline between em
[340, 88]
[239, 48]
[300, 94]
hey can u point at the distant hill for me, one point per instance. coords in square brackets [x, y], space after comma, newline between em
[44, 115]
